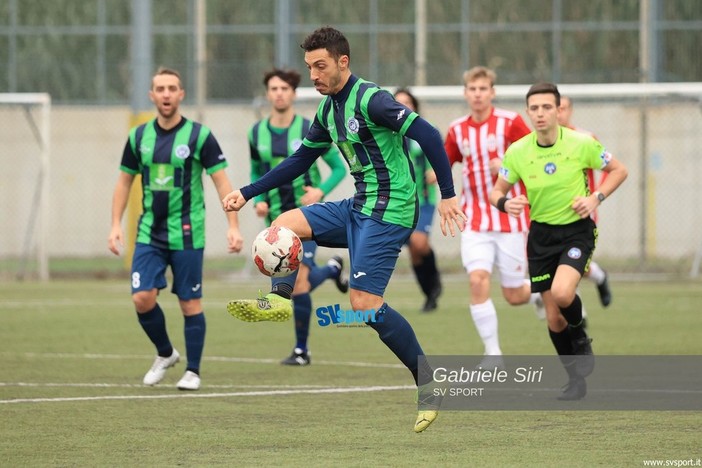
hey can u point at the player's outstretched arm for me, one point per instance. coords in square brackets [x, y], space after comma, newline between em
[451, 214]
[233, 201]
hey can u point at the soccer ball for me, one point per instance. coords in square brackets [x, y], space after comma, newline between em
[277, 251]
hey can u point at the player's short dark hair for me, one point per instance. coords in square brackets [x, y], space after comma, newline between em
[291, 77]
[327, 38]
[412, 97]
[169, 71]
[544, 88]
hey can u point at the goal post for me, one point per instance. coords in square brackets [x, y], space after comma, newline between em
[26, 245]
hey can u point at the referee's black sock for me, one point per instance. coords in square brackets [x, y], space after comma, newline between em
[432, 271]
[574, 312]
[421, 272]
[561, 341]
[427, 274]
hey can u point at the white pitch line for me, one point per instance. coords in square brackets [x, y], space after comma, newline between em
[206, 358]
[110, 385]
[212, 395]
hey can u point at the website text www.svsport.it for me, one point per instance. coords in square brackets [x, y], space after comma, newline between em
[679, 462]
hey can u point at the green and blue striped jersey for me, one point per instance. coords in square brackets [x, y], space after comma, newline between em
[171, 163]
[269, 146]
[425, 192]
[368, 126]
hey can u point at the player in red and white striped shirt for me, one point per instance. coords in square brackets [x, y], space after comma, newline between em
[478, 141]
[596, 273]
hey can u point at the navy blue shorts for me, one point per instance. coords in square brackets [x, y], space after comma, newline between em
[149, 270]
[309, 249]
[426, 219]
[373, 245]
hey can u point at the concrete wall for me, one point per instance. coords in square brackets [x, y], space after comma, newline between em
[87, 143]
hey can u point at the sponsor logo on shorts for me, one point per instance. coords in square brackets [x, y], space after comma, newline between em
[538, 279]
[575, 253]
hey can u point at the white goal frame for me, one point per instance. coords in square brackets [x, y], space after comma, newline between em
[613, 90]
[38, 226]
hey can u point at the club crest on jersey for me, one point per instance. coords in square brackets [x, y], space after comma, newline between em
[295, 144]
[575, 253]
[182, 151]
[550, 168]
[353, 125]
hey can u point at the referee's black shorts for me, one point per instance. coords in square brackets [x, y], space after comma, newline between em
[550, 245]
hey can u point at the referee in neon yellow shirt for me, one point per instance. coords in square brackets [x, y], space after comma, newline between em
[552, 162]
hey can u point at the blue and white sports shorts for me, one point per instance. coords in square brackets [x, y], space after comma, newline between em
[309, 249]
[373, 245]
[149, 270]
[426, 219]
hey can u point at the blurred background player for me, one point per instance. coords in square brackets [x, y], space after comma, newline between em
[550, 162]
[595, 274]
[479, 141]
[421, 254]
[170, 152]
[271, 140]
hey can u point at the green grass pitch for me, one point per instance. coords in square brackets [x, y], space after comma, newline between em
[73, 356]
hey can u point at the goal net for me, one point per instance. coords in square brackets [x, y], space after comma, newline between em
[25, 162]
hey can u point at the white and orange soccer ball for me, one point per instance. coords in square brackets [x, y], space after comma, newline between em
[277, 251]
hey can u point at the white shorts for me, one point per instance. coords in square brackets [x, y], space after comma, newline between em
[507, 250]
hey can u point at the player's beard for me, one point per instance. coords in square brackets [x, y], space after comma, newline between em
[167, 111]
[330, 87]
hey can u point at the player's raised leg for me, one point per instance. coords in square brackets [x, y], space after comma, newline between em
[276, 306]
